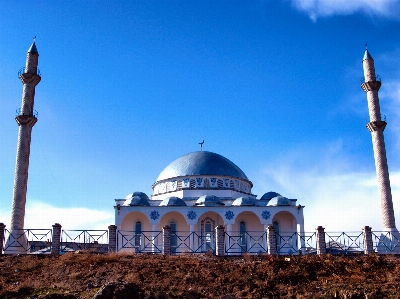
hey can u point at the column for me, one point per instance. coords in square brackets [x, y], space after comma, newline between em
[271, 240]
[154, 247]
[2, 233]
[229, 233]
[166, 240]
[367, 236]
[220, 242]
[56, 242]
[112, 238]
[192, 246]
[321, 244]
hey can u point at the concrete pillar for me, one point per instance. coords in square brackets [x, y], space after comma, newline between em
[56, 242]
[367, 236]
[229, 233]
[321, 244]
[166, 240]
[220, 242]
[271, 240]
[2, 233]
[112, 238]
[154, 238]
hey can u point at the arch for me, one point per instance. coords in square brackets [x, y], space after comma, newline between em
[252, 220]
[128, 222]
[175, 216]
[286, 222]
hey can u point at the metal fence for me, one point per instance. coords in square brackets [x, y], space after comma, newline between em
[192, 242]
[91, 240]
[143, 242]
[385, 242]
[344, 243]
[237, 243]
[29, 240]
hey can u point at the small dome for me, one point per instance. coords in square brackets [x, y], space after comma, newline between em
[172, 201]
[279, 201]
[209, 201]
[137, 199]
[269, 195]
[244, 201]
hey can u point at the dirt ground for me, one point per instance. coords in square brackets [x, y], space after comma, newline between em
[83, 275]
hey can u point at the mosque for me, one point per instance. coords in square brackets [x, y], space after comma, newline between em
[198, 192]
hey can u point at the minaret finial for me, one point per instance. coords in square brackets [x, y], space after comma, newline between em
[201, 145]
[366, 46]
[34, 39]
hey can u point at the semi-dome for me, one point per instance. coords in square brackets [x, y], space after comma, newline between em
[269, 195]
[279, 201]
[244, 201]
[172, 201]
[137, 199]
[201, 163]
[209, 201]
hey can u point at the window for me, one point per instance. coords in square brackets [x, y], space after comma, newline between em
[174, 238]
[138, 235]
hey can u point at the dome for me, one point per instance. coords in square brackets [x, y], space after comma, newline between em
[137, 199]
[209, 201]
[244, 201]
[172, 201]
[269, 195]
[279, 201]
[201, 163]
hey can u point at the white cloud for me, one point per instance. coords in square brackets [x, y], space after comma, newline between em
[323, 8]
[40, 215]
[335, 196]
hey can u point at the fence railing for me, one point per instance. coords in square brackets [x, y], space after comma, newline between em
[42, 241]
[385, 242]
[192, 242]
[143, 242]
[29, 240]
[92, 240]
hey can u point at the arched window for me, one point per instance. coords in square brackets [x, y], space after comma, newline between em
[242, 241]
[174, 238]
[138, 235]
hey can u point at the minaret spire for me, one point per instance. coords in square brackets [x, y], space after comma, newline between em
[376, 126]
[26, 119]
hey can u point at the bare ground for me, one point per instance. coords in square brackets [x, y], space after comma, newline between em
[83, 275]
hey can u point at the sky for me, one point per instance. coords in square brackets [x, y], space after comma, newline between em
[129, 86]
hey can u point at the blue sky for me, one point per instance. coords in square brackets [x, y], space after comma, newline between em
[128, 87]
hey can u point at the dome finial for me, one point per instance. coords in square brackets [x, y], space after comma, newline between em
[201, 145]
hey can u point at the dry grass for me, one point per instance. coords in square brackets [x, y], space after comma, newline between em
[81, 275]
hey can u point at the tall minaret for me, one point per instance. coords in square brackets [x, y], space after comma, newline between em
[376, 126]
[26, 119]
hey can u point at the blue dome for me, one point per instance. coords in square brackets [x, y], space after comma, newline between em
[201, 163]
[137, 199]
[209, 201]
[172, 201]
[269, 195]
[244, 201]
[279, 201]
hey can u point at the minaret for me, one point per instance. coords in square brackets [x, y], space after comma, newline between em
[26, 119]
[376, 126]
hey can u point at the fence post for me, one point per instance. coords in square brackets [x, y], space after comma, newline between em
[2, 228]
[271, 240]
[321, 244]
[166, 240]
[56, 241]
[368, 245]
[112, 238]
[220, 242]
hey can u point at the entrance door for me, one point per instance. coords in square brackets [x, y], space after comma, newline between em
[208, 234]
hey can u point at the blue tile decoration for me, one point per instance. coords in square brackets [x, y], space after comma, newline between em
[266, 215]
[191, 215]
[154, 215]
[229, 215]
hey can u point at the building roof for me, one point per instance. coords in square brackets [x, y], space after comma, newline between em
[33, 48]
[367, 55]
[244, 201]
[172, 201]
[201, 163]
[279, 201]
[209, 201]
[137, 199]
[269, 195]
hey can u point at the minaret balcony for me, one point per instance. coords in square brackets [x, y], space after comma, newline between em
[34, 113]
[377, 78]
[24, 70]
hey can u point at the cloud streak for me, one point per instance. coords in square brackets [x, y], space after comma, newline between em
[325, 8]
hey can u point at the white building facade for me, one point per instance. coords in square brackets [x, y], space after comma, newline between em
[197, 193]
